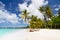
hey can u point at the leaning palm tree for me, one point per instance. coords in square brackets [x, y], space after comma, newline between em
[47, 12]
[42, 10]
[25, 14]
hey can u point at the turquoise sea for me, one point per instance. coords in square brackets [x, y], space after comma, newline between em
[4, 31]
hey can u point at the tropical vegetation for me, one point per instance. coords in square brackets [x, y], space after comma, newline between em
[49, 21]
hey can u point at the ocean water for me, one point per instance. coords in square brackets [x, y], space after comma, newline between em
[4, 31]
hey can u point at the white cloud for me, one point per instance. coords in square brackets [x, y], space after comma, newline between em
[46, 2]
[23, 6]
[6, 16]
[56, 9]
[37, 3]
[34, 11]
[33, 7]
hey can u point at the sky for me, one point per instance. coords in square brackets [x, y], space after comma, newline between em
[10, 10]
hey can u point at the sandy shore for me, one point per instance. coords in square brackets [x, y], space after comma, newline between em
[24, 34]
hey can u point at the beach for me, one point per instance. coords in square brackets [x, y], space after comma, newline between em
[24, 34]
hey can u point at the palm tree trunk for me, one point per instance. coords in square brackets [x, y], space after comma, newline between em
[51, 26]
[45, 20]
[55, 25]
[25, 19]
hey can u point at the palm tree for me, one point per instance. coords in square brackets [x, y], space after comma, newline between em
[47, 12]
[39, 23]
[35, 23]
[50, 22]
[32, 24]
[59, 12]
[42, 9]
[25, 14]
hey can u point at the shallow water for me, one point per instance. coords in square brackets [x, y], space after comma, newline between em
[4, 31]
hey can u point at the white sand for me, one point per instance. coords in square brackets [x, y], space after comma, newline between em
[24, 34]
